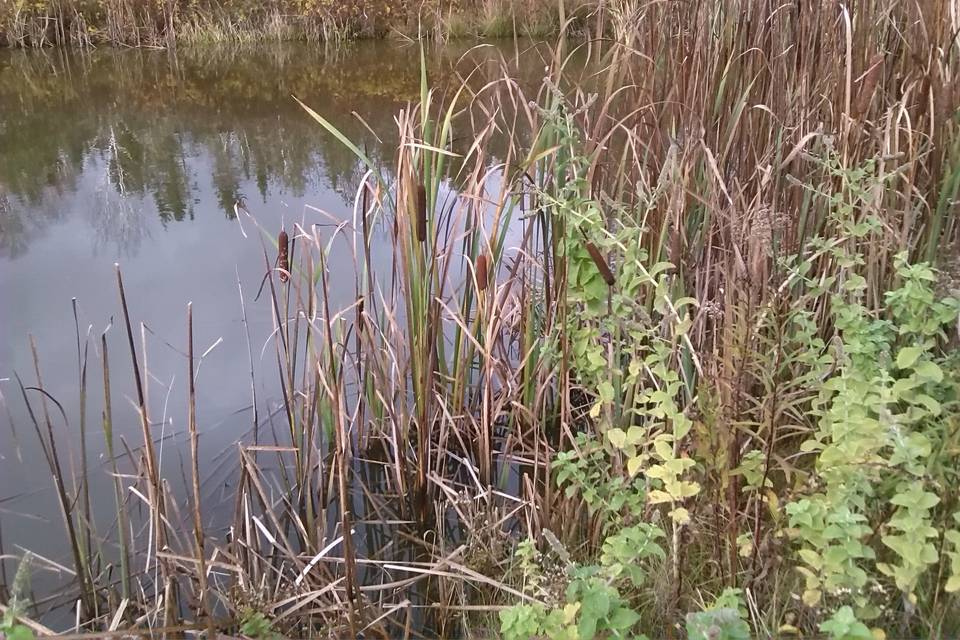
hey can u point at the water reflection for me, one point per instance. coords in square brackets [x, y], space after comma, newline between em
[133, 123]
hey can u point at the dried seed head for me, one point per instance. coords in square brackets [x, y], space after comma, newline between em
[712, 309]
[601, 263]
[868, 85]
[948, 274]
[360, 303]
[421, 212]
[481, 271]
[944, 100]
[283, 255]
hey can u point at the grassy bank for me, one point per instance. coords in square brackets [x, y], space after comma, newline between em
[681, 362]
[161, 23]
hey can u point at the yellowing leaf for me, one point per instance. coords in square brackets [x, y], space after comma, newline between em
[617, 437]
[811, 597]
[688, 489]
[657, 497]
[680, 515]
[812, 558]
[953, 584]
[663, 449]
[660, 472]
[773, 502]
[595, 409]
[633, 465]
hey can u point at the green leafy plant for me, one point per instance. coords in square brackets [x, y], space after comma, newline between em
[586, 472]
[10, 628]
[256, 625]
[725, 619]
[880, 424]
[843, 625]
[596, 600]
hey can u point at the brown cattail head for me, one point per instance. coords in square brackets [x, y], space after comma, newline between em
[482, 271]
[944, 101]
[601, 263]
[868, 85]
[421, 212]
[283, 255]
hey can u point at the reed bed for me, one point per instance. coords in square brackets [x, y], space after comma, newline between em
[165, 23]
[618, 293]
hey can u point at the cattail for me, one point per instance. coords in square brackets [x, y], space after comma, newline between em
[283, 256]
[944, 101]
[868, 85]
[601, 263]
[481, 271]
[421, 213]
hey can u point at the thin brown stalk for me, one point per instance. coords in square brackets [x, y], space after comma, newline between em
[199, 536]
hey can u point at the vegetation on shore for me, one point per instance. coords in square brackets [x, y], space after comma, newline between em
[682, 361]
[163, 23]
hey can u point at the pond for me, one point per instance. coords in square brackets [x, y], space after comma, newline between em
[139, 158]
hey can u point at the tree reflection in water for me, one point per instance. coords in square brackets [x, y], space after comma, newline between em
[145, 128]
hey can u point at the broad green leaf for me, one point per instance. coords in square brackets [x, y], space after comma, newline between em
[681, 426]
[929, 372]
[605, 389]
[931, 404]
[908, 356]
[623, 618]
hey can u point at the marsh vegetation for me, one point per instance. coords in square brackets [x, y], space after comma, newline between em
[662, 342]
[166, 23]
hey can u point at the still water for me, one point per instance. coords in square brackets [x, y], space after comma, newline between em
[138, 158]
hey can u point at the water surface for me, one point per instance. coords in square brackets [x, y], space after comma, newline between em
[138, 158]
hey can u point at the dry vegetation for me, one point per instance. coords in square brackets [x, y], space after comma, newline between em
[163, 23]
[681, 336]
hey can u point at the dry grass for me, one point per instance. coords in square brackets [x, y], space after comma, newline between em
[164, 23]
